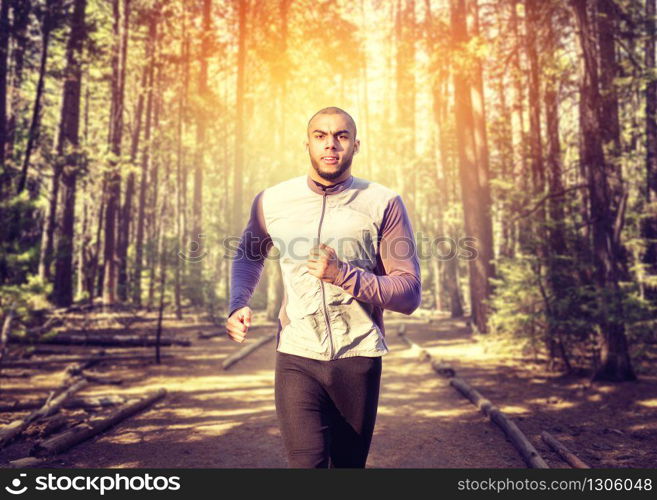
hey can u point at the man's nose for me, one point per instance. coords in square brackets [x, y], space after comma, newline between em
[330, 142]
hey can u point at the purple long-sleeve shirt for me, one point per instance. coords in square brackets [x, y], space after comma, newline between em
[394, 283]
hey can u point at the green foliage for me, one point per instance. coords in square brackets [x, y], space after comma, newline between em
[25, 299]
[543, 304]
[19, 238]
[519, 308]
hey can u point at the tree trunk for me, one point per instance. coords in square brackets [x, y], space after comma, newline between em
[4, 55]
[405, 101]
[93, 285]
[649, 229]
[239, 120]
[46, 28]
[533, 27]
[155, 223]
[520, 230]
[481, 139]
[113, 187]
[67, 150]
[145, 165]
[180, 168]
[615, 361]
[83, 252]
[201, 125]
[444, 172]
[47, 240]
[607, 26]
[473, 209]
[126, 211]
[21, 12]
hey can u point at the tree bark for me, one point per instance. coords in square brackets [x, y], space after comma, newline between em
[126, 211]
[201, 126]
[607, 27]
[477, 97]
[21, 19]
[67, 150]
[559, 275]
[615, 361]
[473, 209]
[519, 230]
[649, 228]
[46, 29]
[405, 101]
[4, 55]
[71, 437]
[533, 27]
[113, 177]
[181, 168]
[239, 120]
[145, 165]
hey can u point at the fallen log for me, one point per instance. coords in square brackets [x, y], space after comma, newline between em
[110, 341]
[99, 378]
[51, 322]
[515, 435]
[245, 351]
[46, 427]
[71, 437]
[40, 362]
[423, 355]
[52, 405]
[572, 459]
[75, 369]
[21, 374]
[86, 403]
[222, 333]
[24, 462]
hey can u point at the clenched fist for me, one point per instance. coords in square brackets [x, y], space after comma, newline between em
[323, 263]
[238, 324]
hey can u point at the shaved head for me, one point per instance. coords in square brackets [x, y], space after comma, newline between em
[332, 110]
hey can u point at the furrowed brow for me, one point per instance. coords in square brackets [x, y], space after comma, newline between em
[345, 131]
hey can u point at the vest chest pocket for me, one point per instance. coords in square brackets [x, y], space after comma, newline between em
[353, 235]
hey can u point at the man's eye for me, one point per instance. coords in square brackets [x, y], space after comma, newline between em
[344, 137]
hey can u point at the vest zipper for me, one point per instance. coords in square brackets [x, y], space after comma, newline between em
[326, 317]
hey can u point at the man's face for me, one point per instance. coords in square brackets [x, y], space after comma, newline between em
[331, 145]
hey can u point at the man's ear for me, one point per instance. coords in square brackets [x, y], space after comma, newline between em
[357, 146]
[306, 144]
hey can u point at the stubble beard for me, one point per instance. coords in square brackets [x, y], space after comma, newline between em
[330, 176]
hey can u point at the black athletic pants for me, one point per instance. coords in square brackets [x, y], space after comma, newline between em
[327, 409]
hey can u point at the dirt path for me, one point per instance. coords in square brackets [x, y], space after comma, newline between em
[216, 418]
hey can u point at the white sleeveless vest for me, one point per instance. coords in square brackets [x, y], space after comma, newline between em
[325, 322]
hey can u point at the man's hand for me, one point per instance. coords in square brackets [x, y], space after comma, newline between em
[238, 324]
[323, 263]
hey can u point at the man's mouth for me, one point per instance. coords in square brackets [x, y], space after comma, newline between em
[331, 160]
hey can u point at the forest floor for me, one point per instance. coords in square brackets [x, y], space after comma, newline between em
[213, 418]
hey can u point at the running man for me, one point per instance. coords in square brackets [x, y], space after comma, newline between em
[347, 252]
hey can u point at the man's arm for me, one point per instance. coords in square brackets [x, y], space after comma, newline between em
[400, 288]
[249, 260]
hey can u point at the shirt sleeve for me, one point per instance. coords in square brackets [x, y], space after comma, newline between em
[249, 259]
[399, 287]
